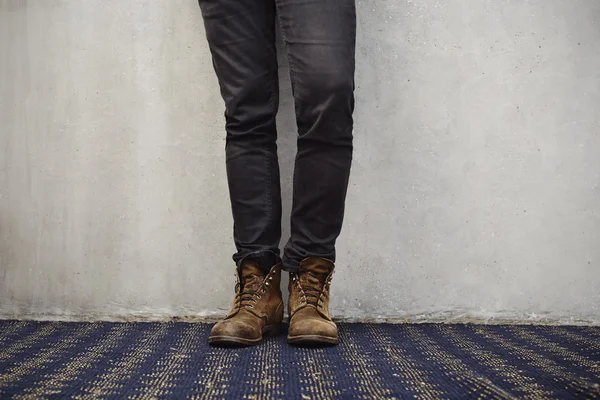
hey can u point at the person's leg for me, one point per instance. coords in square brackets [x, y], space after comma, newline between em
[320, 38]
[241, 37]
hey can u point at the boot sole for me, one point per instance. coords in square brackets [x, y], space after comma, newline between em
[312, 340]
[235, 341]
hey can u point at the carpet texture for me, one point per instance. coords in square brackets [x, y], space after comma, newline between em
[172, 360]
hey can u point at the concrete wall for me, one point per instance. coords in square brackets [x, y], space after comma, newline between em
[475, 189]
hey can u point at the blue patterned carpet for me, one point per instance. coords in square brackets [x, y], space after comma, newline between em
[172, 360]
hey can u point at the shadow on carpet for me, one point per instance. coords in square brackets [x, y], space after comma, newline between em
[173, 360]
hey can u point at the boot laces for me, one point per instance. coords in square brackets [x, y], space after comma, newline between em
[312, 288]
[249, 296]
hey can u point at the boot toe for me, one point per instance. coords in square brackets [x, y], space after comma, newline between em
[234, 333]
[313, 331]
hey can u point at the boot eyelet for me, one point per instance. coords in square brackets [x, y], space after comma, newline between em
[267, 283]
[250, 306]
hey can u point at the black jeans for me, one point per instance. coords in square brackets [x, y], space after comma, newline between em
[320, 40]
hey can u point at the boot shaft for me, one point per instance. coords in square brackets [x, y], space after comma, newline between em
[310, 286]
[256, 292]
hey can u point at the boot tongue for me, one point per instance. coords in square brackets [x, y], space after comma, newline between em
[314, 272]
[251, 276]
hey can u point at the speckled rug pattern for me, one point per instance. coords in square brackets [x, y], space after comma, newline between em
[374, 361]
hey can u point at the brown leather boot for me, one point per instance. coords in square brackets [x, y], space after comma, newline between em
[310, 323]
[257, 309]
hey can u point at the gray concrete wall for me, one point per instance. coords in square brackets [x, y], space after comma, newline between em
[475, 189]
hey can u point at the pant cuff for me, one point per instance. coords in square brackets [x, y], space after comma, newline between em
[266, 259]
[290, 265]
[293, 265]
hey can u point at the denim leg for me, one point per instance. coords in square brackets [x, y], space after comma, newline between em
[241, 37]
[320, 39]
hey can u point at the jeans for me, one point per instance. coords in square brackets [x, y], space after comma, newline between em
[320, 40]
